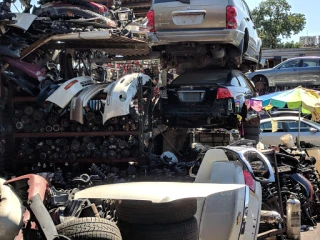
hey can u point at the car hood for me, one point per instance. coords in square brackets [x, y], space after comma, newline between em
[157, 192]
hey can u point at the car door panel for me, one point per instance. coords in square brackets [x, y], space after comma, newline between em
[287, 73]
[310, 72]
[199, 14]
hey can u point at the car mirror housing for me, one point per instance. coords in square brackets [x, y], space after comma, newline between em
[313, 130]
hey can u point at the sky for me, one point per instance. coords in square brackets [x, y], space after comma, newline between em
[310, 8]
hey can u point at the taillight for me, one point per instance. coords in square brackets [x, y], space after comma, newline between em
[223, 93]
[69, 85]
[249, 181]
[231, 20]
[150, 24]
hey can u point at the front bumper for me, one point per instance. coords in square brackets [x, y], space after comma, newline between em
[218, 36]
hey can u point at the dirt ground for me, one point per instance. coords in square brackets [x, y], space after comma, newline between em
[311, 235]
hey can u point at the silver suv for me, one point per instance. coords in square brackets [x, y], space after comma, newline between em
[219, 29]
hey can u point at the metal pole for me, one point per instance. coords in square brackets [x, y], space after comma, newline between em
[298, 139]
[278, 186]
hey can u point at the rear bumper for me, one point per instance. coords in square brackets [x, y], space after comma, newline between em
[218, 36]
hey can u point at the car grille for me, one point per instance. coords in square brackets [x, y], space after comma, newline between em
[191, 96]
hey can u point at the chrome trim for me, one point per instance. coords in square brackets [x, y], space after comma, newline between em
[240, 151]
[245, 213]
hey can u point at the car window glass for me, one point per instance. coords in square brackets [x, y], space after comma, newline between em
[246, 8]
[293, 126]
[234, 82]
[310, 62]
[290, 64]
[267, 127]
[242, 81]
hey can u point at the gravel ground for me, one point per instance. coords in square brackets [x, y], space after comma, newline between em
[311, 235]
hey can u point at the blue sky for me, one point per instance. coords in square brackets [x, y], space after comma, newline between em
[310, 8]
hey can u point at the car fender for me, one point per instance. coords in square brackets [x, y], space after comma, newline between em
[120, 94]
[77, 103]
[63, 95]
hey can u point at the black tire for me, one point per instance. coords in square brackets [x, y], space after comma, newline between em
[185, 230]
[89, 228]
[146, 212]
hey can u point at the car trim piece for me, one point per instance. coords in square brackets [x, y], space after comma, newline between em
[157, 192]
[120, 95]
[77, 103]
[240, 151]
[62, 96]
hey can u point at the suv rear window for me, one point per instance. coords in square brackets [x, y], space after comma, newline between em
[203, 77]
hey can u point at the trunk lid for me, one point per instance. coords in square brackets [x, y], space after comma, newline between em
[198, 14]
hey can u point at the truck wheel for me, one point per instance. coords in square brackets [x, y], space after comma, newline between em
[89, 228]
[185, 230]
[146, 212]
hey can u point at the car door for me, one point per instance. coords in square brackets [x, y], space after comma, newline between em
[189, 15]
[253, 35]
[287, 73]
[305, 133]
[267, 137]
[310, 71]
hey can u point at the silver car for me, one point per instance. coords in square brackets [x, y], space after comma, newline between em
[309, 130]
[293, 72]
[194, 28]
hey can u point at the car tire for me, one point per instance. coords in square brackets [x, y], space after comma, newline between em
[89, 228]
[146, 212]
[184, 230]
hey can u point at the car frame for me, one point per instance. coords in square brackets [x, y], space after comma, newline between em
[310, 134]
[189, 29]
[293, 72]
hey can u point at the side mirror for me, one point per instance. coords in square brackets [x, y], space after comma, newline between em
[313, 130]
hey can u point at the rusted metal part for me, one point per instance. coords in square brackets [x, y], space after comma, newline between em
[26, 187]
[137, 4]
[73, 134]
[273, 232]
[100, 160]
[42, 217]
[36, 184]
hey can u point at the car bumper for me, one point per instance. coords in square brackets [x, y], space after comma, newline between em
[222, 36]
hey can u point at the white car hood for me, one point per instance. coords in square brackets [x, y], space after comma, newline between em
[63, 96]
[157, 192]
[120, 94]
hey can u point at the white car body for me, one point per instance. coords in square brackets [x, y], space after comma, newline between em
[63, 95]
[226, 210]
[120, 94]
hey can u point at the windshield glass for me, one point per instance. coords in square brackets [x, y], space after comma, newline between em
[203, 77]
[312, 122]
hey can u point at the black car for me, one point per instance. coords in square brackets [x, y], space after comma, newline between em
[205, 98]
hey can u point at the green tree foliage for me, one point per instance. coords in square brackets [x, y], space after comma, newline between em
[291, 44]
[273, 20]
